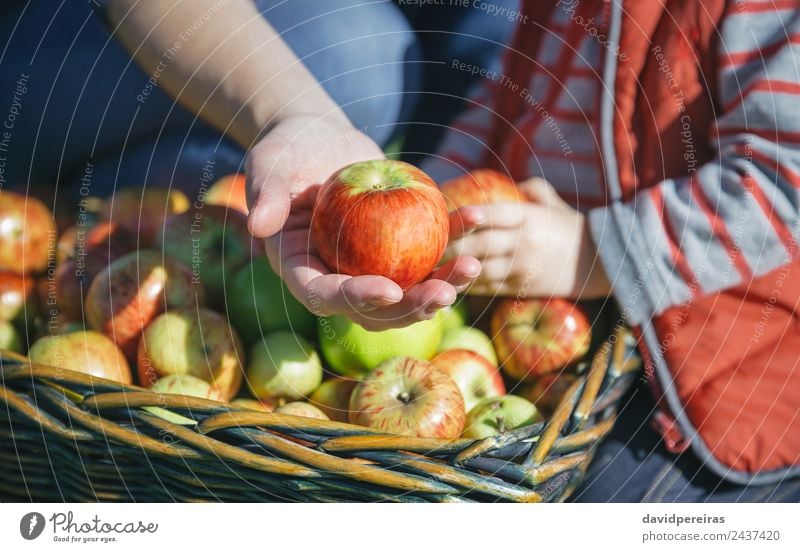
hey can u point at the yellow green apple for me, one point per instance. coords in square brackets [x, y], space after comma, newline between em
[88, 352]
[471, 339]
[9, 337]
[333, 398]
[352, 350]
[498, 414]
[197, 342]
[453, 316]
[283, 365]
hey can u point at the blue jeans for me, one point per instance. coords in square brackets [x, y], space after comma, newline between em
[85, 101]
[632, 465]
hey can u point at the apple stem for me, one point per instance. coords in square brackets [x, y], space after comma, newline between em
[404, 397]
[501, 424]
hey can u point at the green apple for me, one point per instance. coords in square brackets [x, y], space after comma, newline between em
[353, 351]
[259, 304]
[498, 414]
[453, 316]
[9, 337]
[472, 339]
[283, 365]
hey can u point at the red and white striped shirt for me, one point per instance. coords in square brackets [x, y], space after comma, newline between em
[734, 218]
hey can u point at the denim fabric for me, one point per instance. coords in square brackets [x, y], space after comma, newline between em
[86, 101]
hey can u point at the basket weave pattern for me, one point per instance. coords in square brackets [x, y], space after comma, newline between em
[67, 436]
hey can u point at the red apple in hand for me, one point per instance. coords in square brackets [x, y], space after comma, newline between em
[537, 336]
[130, 292]
[476, 377]
[409, 397]
[27, 233]
[197, 342]
[480, 187]
[380, 217]
[84, 351]
[213, 241]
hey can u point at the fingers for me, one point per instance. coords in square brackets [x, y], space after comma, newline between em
[466, 219]
[541, 191]
[486, 244]
[269, 200]
[340, 294]
[421, 302]
[459, 272]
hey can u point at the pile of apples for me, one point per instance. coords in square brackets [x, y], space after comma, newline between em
[172, 294]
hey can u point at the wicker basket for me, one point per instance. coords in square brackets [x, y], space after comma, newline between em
[67, 436]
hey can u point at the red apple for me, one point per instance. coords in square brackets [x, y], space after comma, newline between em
[476, 377]
[380, 217]
[84, 351]
[302, 409]
[130, 292]
[333, 398]
[27, 234]
[94, 249]
[229, 191]
[142, 212]
[547, 391]
[18, 298]
[72, 280]
[213, 241]
[108, 240]
[480, 187]
[198, 342]
[538, 336]
[67, 244]
[407, 396]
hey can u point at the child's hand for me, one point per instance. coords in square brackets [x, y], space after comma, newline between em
[542, 248]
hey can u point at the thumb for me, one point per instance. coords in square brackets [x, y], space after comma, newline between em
[539, 190]
[270, 204]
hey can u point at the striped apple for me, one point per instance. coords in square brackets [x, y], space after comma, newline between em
[533, 337]
[407, 396]
[383, 218]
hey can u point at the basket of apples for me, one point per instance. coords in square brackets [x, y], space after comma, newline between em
[148, 352]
